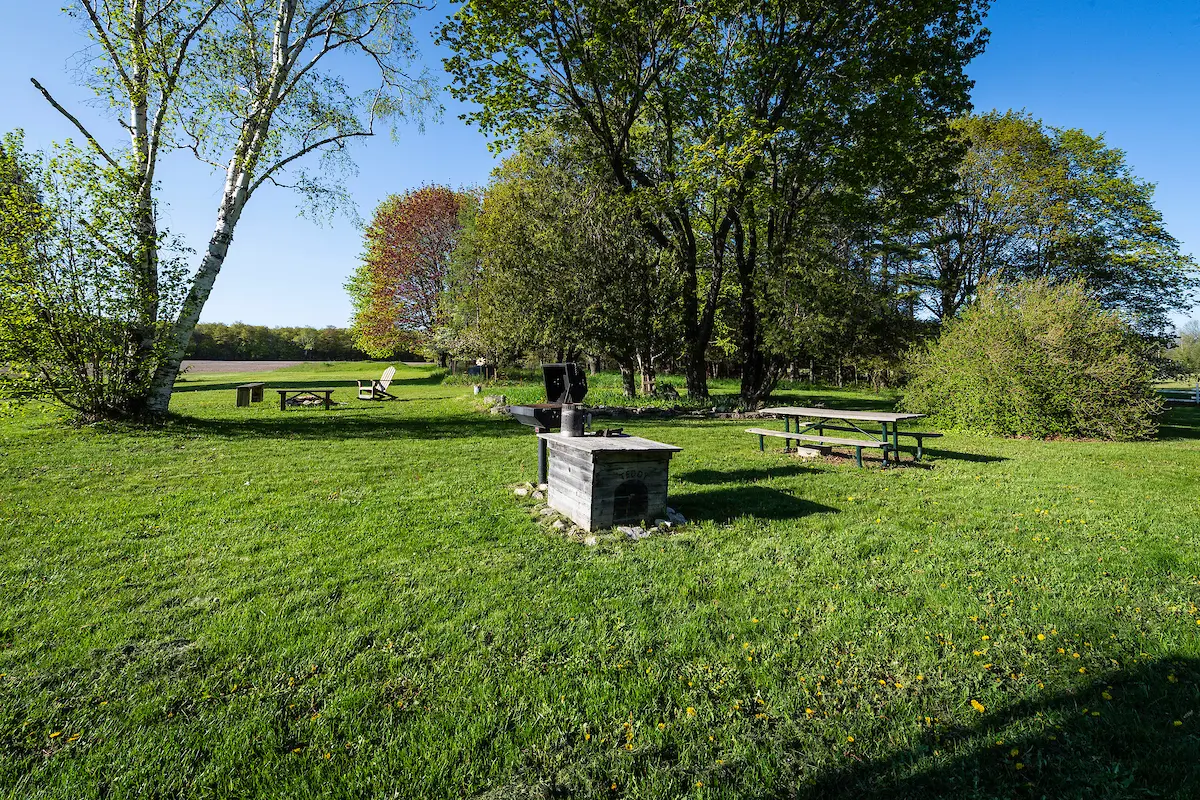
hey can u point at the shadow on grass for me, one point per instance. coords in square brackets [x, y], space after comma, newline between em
[709, 477]
[975, 458]
[311, 383]
[1180, 422]
[1131, 748]
[349, 423]
[726, 505]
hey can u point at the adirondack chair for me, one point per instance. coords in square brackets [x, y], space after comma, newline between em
[377, 390]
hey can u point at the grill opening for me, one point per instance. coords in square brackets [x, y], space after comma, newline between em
[631, 500]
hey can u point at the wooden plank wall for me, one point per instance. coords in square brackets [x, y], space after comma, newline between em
[583, 488]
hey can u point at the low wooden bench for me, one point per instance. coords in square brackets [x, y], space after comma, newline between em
[325, 395]
[832, 441]
[919, 436]
[249, 393]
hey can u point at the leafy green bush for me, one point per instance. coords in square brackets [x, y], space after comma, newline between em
[1035, 359]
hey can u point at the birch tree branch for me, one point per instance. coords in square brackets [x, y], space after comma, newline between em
[91, 139]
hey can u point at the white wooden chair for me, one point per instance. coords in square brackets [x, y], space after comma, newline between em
[377, 390]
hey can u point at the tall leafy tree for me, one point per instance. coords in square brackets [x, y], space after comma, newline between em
[1043, 202]
[397, 291]
[687, 104]
[251, 87]
[566, 269]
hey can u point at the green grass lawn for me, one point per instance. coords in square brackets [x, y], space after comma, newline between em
[352, 603]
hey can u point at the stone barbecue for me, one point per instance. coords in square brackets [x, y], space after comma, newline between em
[602, 481]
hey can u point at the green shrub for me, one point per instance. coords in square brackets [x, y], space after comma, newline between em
[1035, 359]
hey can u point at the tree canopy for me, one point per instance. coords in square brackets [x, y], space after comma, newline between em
[733, 123]
[1037, 201]
[397, 290]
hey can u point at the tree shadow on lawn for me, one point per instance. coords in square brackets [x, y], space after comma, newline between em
[1180, 422]
[759, 502]
[975, 458]
[350, 423]
[708, 477]
[312, 383]
[1133, 748]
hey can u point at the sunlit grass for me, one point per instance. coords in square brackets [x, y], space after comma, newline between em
[353, 604]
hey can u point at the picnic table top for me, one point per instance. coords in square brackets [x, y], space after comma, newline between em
[302, 391]
[592, 444]
[837, 413]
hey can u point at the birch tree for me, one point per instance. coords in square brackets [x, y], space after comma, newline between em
[246, 86]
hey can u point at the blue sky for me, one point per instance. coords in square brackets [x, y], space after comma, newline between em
[1127, 69]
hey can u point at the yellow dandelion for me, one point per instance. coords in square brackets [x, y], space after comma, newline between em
[1041, 637]
[1178, 723]
[978, 706]
[1014, 752]
[850, 739]
[1106, 695]
[56, 734]
[1018, 765]
[691, 712]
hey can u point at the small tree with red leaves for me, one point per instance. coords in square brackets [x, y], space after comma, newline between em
[398, 287]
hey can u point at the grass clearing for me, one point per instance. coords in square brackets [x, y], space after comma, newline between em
[351, 603]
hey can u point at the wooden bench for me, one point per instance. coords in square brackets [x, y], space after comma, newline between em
[249, 393]
[919, 436]
[324, 395]
[832, 441]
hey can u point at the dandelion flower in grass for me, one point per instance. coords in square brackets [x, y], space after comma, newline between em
[1041, 637]
[850, 739]
[1014, 752]
[691, 712]
[1018, 765]
[978, 706]
[1178, 723]
[56, 734]
[1106, 695]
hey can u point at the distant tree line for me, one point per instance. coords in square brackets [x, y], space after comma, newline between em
[242, 342]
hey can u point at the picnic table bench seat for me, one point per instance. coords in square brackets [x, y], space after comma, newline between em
[833, 441]
[920, 436]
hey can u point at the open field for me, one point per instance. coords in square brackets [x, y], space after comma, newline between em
[352, 603]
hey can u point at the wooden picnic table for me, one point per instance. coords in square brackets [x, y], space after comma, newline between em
[324, 394]
[886, 437]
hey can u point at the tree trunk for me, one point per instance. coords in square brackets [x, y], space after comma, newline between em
[627, 382]
[757, 377]
[159, 397]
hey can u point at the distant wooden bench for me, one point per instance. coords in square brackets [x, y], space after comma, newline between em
[832, 441]
[249, 393]
[324, 395]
